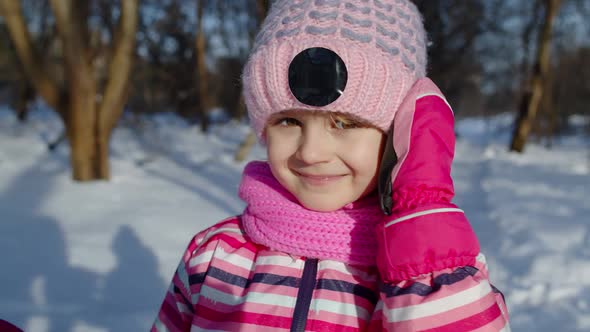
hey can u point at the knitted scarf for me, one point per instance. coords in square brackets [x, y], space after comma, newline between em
[274, 218]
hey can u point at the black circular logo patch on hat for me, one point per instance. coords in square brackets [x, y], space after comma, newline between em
[317, 76]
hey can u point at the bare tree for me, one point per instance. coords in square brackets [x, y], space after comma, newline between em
[202, 72]
[22, 91]
[453, 28]
[534, 11]
[531, 99]
[88, 106]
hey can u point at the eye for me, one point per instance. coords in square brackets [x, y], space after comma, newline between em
[339, 123]
[287, 122]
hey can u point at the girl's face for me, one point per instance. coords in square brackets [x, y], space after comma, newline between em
[325, 160]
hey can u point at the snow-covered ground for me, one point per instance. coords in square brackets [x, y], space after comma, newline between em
[98, 256]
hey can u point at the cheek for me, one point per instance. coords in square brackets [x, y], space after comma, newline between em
[278, 148]
[364, 154]
[278, 155]
[273, 153]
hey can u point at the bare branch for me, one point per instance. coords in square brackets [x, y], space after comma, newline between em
[120, 65]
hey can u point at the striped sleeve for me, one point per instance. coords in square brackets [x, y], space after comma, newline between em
[178, 308]
[458, 299]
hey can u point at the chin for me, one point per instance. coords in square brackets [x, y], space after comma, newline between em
[319, 206]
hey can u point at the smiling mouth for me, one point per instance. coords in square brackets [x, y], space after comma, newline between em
[319, 179]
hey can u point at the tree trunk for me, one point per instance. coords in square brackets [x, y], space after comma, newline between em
[532, 98]
[527, 36]
[202, 73]
[546, 117]
[81, 124]
[89, 116]
[86, 159]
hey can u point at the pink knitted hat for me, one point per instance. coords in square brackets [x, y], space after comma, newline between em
[381, 42]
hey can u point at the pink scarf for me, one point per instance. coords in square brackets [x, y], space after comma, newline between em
[275, 218]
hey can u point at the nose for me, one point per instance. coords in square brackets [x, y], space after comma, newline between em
[314, 145]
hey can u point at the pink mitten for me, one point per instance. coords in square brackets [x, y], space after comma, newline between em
[424, 231]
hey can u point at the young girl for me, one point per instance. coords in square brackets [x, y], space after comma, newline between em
[349, 225]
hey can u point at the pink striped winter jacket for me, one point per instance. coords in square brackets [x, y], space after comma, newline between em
[227, 283]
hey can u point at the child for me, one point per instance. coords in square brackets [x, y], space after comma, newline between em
[314, 250]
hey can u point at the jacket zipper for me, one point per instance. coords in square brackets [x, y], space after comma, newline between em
[304, 295]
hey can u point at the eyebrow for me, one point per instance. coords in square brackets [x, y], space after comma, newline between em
[352, 117]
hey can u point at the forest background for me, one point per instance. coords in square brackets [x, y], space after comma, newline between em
[95, 61]
[123, 133]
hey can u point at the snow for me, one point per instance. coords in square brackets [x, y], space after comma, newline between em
[98, 256]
